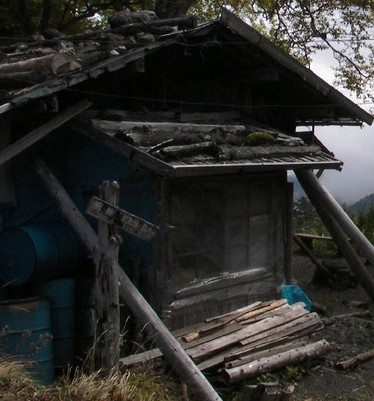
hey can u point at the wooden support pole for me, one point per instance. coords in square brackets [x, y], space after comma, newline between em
[173, 351]
[39, 133]
[107, 349]
[288, 233]
[315, 190]
[339, 236]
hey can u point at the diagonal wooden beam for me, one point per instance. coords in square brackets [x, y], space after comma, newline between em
[39, 133]
[171, 348]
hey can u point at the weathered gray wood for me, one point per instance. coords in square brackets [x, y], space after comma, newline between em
[303, 323]
[268, 352]
[38, 133]
[204, 350]
[54, 63]
[222, 281]
[315, 190]
[107, 212]
[244, 309]
[107, 287]
[143, 357]
[259, 311]
[269, 364]
[175, 152]
[335, 219]
[356, 360]
[170, 347]
[210, 336]
[214, 294]
[218, 324]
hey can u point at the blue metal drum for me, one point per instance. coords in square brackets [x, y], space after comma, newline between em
[35, 253]
[25, 334]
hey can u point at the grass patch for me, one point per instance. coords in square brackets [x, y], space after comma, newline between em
[130, 385]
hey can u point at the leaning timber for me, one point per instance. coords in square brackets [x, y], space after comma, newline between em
[335, 220]
[315, 190]
[170, 347]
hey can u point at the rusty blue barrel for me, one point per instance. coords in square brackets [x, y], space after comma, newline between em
[40, 252]
[61, 296]
[25, 328]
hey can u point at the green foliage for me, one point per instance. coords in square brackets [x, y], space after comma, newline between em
[25, 17]
[365, 222]
[259, 138]
[289, 374]
[302, 28]
[307, 220]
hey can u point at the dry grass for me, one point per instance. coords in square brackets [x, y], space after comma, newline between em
[131, 385]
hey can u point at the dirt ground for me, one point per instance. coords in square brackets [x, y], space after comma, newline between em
[348, 336]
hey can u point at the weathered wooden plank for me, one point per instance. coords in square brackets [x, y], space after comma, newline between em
[271, 363]
[305, 320]
[266, 314]
[232, 328]
[271, 338]
[224, 342]
[143, 357]
[112, 214]
[244, 309]
[215, 325]
[260, 311]
[217, 294]
[38, 133]
[223, 281]
[121, 126]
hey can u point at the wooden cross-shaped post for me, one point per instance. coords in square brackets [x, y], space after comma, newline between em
[107, 346]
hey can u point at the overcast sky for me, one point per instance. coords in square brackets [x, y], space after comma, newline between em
[353, 145]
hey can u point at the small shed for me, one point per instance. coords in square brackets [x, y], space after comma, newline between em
[198, 124]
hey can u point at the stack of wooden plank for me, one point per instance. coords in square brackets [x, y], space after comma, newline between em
[258, 338]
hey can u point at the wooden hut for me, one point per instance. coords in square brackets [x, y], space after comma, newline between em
[199, 124]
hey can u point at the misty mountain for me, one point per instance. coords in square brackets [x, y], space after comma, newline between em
[363, 205]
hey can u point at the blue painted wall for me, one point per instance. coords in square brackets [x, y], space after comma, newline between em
[81, 165]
